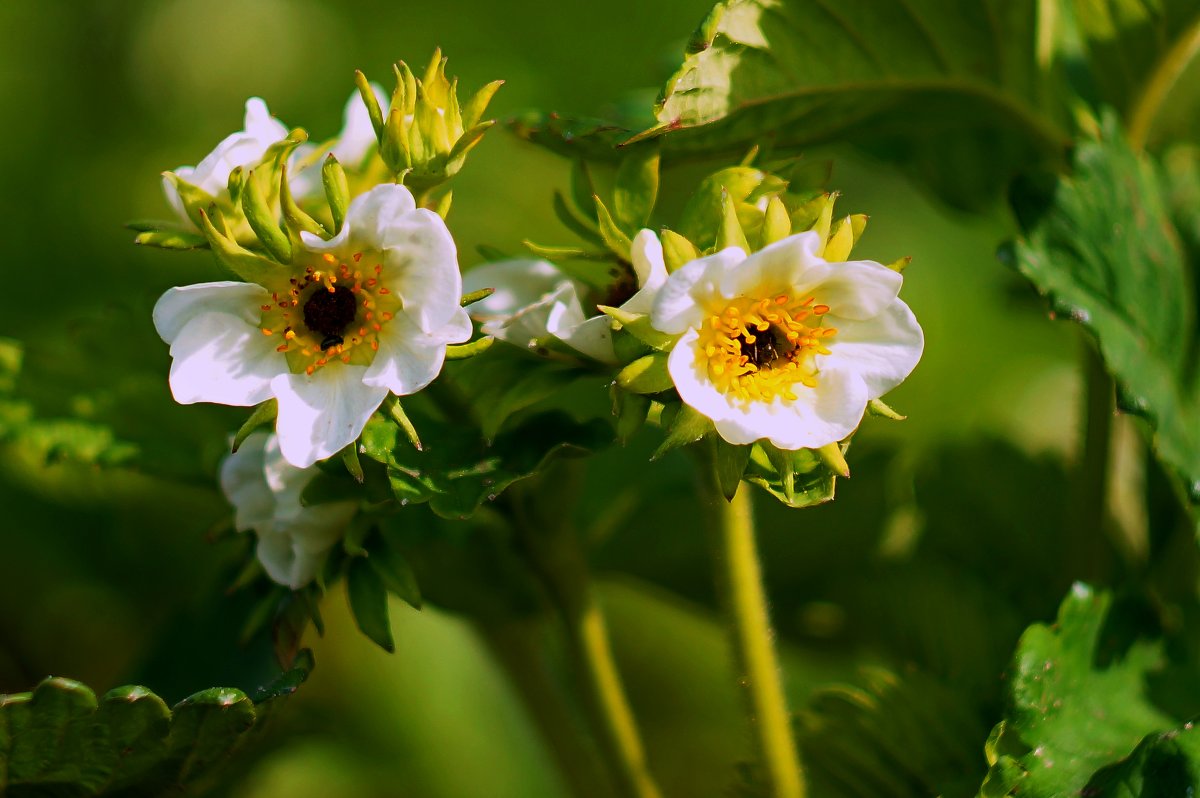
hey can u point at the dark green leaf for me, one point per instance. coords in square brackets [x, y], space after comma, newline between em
[1100, 245]
[956, 92]
[368, 602]
[59, 740]
[1078, 703]
[635, 189]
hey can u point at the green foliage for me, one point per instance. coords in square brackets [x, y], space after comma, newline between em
[462, 470]
[1101, 246]
[1162, 766]
[61, 740]
[1078, 700]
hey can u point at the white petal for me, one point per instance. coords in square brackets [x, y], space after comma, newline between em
[818, 416]
[368, 219]
[857, 289]
[651, 270]
[519, 282]
[882, 350]
[245, 486]
[322, 413]
[593, 338]
[421, 265]
[244, 148]
[218, 357]
[179, 305]
[778, 268]
[410, 358]
[358, 135]
[290, 559]
[684, 299]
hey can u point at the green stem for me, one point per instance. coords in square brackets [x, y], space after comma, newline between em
[1166, 73]
[740, 580]
[556, 557]
[1091, 488]
[518, 648]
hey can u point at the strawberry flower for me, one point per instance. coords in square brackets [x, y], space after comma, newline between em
[351, 319]
[784, 346]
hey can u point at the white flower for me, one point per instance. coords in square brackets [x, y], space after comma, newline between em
[245, 148]
[534, 301]
[367, 312]
[784, 345]
[265, 490]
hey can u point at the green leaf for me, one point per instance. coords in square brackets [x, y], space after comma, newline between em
[368, 602]
[61, 740]
[395, 573]
[956, 92]
[1077, 700]
[458, 470]
[1102, 249]
[686, 425]
[611, 232]
[635, 188]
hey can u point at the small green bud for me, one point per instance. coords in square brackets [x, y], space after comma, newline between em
[337, 190]
[677, 250]
[647, 374]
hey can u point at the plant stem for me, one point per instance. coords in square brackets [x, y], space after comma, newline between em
[740, 580]
[1091, 488]
[518, 647]
[554, 553]
[1166, 73]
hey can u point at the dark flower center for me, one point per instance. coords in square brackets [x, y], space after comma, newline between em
[330, 312]
[763, 350]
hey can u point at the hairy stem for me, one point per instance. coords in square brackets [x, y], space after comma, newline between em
[518, 648]
[740, 581]
[555, 554]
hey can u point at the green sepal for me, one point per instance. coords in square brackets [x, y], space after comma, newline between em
[394, 146]
[730, 233]
[635, 187]
[179, 240]
[263, 221]
[475, 107]
[824, 222]
[395, 572]
[350, 460]
[832, 456]
[466, 143]
[396, 412]
[805, 215]
[371, 102]
[441, 206]
[686, 425]
[899, 266]
[877, 407]
[705, 212]
[647, 374]
[337, 190]
[627, 348]
[777, 225]
[638, 325]
[264, 413]
[471, 349]
[677, 250]
[566, 253]
[612, 234]
[476, 296]
[572, 222]
[797, 478]
[294, 217]
[354, 541]
[251, 267]
[194, 198]
[730, 462]
[368, 603]
[630, 410]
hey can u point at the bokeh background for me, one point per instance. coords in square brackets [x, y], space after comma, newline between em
[105, 572]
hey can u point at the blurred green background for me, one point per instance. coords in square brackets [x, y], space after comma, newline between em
[107, 576]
